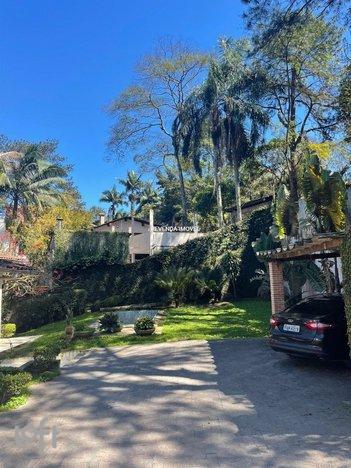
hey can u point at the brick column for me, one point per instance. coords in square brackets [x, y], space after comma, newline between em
[277, 286]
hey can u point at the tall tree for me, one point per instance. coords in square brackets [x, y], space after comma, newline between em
[132, 189]
[301, 63]
[230, 114]
[114, 198]
[153, 107]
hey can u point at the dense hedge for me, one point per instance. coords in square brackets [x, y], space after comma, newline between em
[259, 221]
[84, 248]
[346, 274]
[34, 312]
[135, 283]
[104, 284]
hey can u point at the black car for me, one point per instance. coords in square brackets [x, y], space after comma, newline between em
[314, 327]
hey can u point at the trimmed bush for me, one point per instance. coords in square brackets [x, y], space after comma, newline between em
[143, 325]
[45, 357]
[8, 330]
[83, 248]
[37, 311]
[110, 323]
[12, 385]
[111, 301]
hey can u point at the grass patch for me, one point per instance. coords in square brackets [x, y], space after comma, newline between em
[15, 402]
[242, 319]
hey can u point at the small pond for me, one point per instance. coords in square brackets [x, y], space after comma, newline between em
[128, 317]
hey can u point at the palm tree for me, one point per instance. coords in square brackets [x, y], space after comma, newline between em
[149, 197]
[174, 281]
[236, 120]
[132, 189]
[114, 199]
[28, 180]
[226, 110]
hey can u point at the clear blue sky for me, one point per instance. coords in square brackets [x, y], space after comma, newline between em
[62, 61]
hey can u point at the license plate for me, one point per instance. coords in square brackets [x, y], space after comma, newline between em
[291, 328]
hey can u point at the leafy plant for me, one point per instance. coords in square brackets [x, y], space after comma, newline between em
[12, 385]
[110, 323]
[45, 357]
[174, 281]
[210, 283]
[324, 192]
[8, 330]
[144, 323]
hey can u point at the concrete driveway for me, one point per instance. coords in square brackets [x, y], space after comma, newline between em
[225, 403]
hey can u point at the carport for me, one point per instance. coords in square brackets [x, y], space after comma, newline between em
[319, 247]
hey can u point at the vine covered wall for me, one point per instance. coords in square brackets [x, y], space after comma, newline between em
[346, 273]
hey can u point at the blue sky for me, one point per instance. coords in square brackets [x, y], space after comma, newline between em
[63, 61]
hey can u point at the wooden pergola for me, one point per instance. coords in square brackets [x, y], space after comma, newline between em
[319, 247]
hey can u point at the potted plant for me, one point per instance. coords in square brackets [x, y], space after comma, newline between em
[69, 329]
[144, 326]
[110, 323]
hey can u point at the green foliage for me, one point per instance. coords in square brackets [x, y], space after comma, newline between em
[258, 225]
[144, 323]
[346, 273]
[13, 385]
[96, 306]
[210, 283]
[31, 180]
[81, 249]
[110, 323]
[114, 199]
[33, 312]
[345, 100]
[45, 357]
[111, 301]
[135, 283]
[8, 330]
[175, 281]
[324, 192]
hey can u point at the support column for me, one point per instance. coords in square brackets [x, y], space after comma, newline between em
[151, 230]
[276, 280]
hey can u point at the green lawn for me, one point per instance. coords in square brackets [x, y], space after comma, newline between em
[246, 318]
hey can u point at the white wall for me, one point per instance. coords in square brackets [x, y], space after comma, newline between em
[165, 240]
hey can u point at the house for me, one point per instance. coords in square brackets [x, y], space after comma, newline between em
[147, 238]
[252, 205]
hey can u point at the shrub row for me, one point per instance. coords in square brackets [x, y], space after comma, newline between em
[51, 307]
[114, 285]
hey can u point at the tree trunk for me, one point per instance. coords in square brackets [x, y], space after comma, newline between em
[218, 190]
[15, 207]
[236, 175]
[176, 147]
[293, 182]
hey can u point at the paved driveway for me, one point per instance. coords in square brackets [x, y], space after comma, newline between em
[226, 403]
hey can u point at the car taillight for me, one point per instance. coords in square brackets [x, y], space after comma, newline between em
[274, 322]
[319, 326]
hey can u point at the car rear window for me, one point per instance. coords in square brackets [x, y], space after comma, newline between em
[318, 306]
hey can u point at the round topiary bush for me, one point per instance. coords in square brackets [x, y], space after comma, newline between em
[144, 326]
[110, 323]
[8, 330]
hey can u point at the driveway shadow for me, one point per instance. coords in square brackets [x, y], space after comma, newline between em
[228, 403]
[301, 410]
